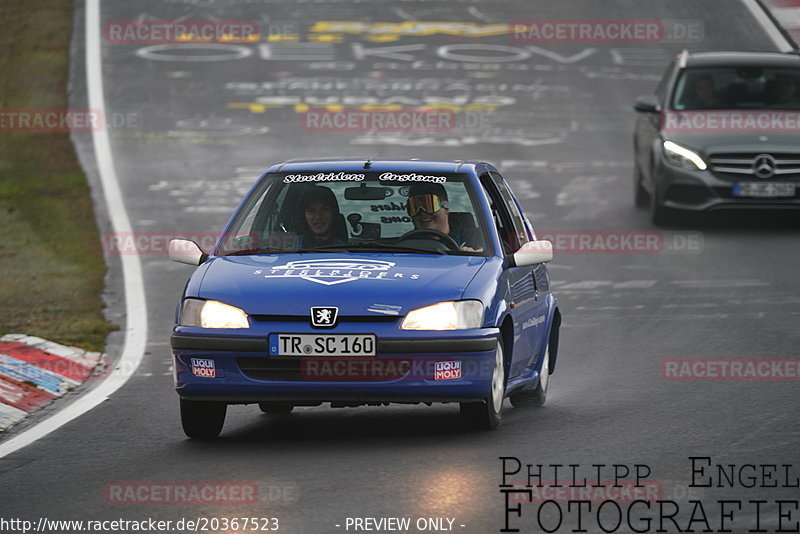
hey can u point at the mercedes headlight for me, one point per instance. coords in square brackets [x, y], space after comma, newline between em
[212, 314]
[683, 157]
[445, 316]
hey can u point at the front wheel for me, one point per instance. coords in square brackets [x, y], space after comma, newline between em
[659, 214]
[538, 395]
[202, 419]
[487, 413]
[640, 195]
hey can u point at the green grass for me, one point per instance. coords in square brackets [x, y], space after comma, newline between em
[51, 261]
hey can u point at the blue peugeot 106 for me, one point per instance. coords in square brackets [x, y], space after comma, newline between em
[360, 282]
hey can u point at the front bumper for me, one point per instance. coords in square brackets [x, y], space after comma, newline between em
[404, 368]
[683, 189]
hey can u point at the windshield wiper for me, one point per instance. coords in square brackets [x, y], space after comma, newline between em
[347, 247]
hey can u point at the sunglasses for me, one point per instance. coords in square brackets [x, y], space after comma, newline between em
[428, 203]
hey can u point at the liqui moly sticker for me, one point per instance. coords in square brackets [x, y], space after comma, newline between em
[448, 370]
[203, 367]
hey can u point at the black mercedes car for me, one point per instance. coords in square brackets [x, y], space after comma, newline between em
[721, 131]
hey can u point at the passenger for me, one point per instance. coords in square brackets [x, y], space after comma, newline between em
[785, 90]
[320, 215]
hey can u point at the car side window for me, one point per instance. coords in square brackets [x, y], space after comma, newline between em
[521, 235]
[503, 220]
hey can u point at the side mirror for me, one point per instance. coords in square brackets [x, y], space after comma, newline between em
[533, 252]
[185, 251]
[647, 104]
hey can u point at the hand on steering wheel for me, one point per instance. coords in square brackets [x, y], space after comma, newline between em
[443, 238]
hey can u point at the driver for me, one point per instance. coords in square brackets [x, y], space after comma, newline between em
[429, 209]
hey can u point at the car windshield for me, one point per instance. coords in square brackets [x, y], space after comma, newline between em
[360, 211]
[737, 88]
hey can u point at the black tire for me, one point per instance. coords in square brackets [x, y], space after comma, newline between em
[487, 413]
[537, 396]
[660, 215]
[276, 407]
[640, 196]
[202, 419]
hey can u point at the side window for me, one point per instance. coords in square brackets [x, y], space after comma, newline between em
[502, 217]
[518, 228]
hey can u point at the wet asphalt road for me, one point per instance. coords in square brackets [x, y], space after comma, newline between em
[556, 119]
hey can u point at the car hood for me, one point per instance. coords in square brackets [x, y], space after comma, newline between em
[731, 131]
[359, 284]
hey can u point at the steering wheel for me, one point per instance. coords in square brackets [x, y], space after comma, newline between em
[430, 233]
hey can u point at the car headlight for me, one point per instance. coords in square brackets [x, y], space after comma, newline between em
[445, 316]
[683, 157]
[212, 314]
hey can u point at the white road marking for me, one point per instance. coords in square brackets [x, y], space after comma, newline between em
[535, 164]
[477, 14]
[524, 190]
[135, 304]
[297, 52]
[635, 284]
[789, 17]
[688, 305]
[584, 191]
[719, 283]
[772, 31]
[564, 60]
[607, 308]
[403, 14]
[640, 56]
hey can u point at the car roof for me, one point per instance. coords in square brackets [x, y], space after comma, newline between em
[742, 59]
[353, 164]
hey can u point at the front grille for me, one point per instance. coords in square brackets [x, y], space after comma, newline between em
[745, 165]
[323, 368]
[270, 368]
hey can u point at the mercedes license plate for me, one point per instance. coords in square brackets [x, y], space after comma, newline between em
[763, 190]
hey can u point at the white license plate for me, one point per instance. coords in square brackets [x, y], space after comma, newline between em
[763, 190]
[322, 345]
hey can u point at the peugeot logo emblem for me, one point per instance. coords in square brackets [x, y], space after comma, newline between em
[324, 316]
[764, 166]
